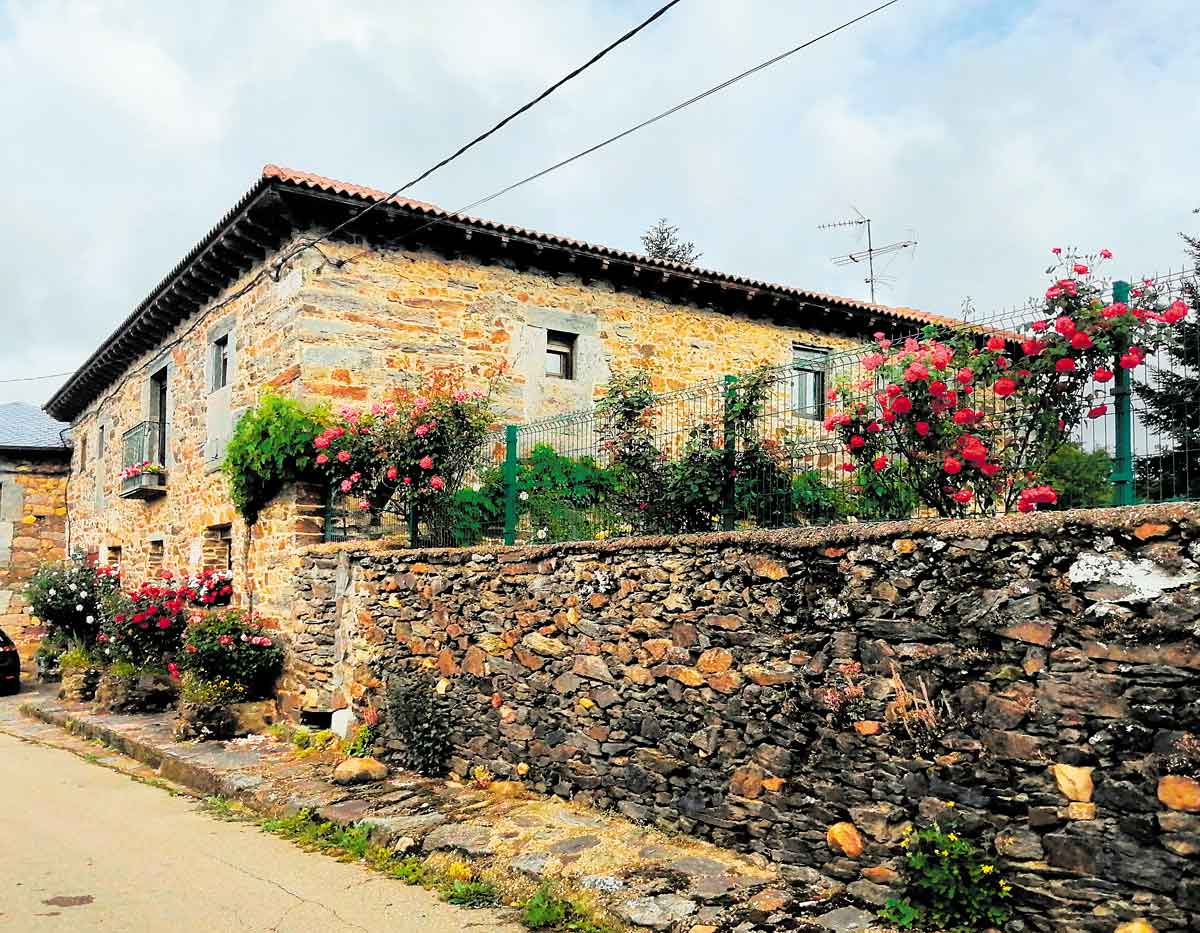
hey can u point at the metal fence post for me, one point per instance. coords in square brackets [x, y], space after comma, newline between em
[729, 490]
[1122, 472]
[510, 484]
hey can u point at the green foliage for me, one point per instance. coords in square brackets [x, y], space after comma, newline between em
[949, 886]
[472, 893]
[364, 738]
[545, 910]
[1082, 480]
[882, 495]
[125, 670]
[271, 447]
[350, 842]
[420, 718]
[209, 693]
[232, 646]
[78, 657]
[816, 501]
[410, 870]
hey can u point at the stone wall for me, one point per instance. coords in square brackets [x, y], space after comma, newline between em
[742, 688]
[32, 525]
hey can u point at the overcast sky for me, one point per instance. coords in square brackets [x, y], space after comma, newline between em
[990, 130]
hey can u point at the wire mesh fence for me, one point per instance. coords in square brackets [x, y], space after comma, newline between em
[758, 450]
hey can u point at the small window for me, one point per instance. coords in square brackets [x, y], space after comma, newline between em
[218, 547]
[809, 364]
[113, 557]
[100, 442]
[83, 439]
[220, 363]
[560, 355]
[154, 559]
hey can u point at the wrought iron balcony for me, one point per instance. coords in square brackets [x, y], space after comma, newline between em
[143, 475]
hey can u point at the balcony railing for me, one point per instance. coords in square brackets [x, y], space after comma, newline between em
[143, 472]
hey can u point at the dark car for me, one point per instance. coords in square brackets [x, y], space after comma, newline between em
[10, 666]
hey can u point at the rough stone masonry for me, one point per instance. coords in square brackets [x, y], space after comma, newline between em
[767, 690]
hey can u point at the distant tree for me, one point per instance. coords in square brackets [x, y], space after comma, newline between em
[662, 241]
[1171, 402]
[1082, 480]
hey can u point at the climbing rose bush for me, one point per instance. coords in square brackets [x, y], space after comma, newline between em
[413, 451]
[968, 419]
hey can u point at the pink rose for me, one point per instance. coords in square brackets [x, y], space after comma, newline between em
[437, 483]
[426, 462]
[343, 456]
[322, 459]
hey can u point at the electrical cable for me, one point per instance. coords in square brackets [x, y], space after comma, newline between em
[457, 215]
[619, 136]
[482, 136]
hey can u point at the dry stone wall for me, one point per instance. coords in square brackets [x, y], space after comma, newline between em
[743, 688]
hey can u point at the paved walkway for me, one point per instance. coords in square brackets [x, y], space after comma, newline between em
[86, 848]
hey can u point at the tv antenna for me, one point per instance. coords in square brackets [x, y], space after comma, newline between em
[868, 255]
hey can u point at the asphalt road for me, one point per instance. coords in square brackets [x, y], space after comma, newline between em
[84, 848]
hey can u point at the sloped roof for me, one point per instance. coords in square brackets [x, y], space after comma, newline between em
[283, 201]
[26, 427]
[433, 212]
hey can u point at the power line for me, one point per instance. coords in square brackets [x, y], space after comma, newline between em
[38, 378]
[482, 136]
[524, 181]
[633, 129]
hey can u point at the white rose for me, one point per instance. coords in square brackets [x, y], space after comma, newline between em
[91, 619]
[54, 592]
[79, 607]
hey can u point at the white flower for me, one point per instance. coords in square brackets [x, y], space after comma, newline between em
[90, 619]
[79, 607]
[542, 534]
[524, 497]
[54, 592]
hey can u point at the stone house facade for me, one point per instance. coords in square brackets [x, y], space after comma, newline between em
[407, 289]
[35, 459]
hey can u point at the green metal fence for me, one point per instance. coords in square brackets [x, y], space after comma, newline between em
[750, 450]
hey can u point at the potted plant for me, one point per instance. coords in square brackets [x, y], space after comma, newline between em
[80, 673]
[142, 479]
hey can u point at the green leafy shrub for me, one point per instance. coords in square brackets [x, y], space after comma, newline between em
[231, 646]
[949, 886]
[271, 446]
[69, 598]
[545, 910]
[420, 718]
[364, 739]
[78, 657]
[1082, 480]
[816, 501]
[472, 893]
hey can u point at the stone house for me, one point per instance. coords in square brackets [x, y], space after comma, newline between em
[408, 288]
[35, 460]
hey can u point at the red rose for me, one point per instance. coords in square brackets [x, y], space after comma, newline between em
[857, 441]
[951, 465]
[1005, 387]
[962, 496]
[902, 405]
[880, 463]
[1102, 374]
[1065, 365]
[922, 428]
[1081, 341]
[995, 343]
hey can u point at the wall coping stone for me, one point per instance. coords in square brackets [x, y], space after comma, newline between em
[1116, 519]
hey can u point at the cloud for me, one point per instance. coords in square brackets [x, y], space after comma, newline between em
[993, 129]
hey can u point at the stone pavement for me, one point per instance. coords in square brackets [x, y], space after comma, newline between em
[645, 877]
